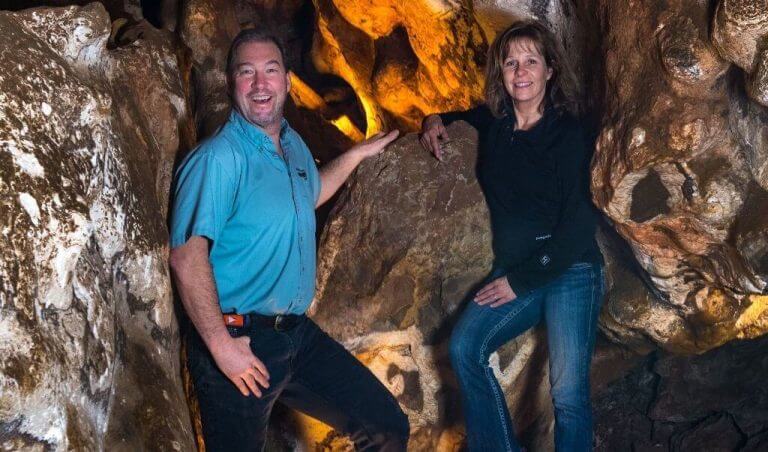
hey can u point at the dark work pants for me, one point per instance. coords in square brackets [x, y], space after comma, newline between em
[310, 372]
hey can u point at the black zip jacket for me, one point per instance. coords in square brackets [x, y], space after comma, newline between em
[537, 187]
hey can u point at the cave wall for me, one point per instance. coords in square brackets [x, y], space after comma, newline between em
[88, 333]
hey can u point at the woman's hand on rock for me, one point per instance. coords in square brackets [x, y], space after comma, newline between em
[433, 135]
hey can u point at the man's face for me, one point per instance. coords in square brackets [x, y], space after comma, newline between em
[260, 84]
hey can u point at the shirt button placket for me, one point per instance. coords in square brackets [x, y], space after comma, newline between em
[300, 226]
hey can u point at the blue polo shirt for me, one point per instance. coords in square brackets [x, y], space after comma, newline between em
[258, 210]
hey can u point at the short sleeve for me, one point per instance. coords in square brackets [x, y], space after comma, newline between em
[204, 193]
[315, 179]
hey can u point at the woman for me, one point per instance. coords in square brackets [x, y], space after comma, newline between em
[533, 167]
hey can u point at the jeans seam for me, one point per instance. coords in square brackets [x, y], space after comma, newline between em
[587, 350]
[489, 372]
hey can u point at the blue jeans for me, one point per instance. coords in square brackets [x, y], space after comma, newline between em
[310, 372]
[569, 307]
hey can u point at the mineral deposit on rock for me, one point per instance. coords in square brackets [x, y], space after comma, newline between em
[87, 330]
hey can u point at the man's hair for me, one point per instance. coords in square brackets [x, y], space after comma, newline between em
[253, 35]
[562, 88]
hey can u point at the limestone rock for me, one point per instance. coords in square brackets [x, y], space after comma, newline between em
[630, 306]
[407, 59]
[738, 29]
[89, 339]
[670, 173]
[207, 27]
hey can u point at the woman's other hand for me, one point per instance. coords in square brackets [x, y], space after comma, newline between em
[433, 135]
[495, 293]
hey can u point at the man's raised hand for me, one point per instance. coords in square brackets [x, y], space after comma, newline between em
[374, 145]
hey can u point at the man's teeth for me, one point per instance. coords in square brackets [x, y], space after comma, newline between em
[261, 98]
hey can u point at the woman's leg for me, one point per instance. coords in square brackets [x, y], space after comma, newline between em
[571, 306]
[479, 332]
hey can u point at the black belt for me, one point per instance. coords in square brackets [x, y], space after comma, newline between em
[280, 322]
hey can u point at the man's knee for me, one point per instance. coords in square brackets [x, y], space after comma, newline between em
[402, 425]
[393, 433]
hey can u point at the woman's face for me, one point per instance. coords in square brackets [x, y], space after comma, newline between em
[525, 73]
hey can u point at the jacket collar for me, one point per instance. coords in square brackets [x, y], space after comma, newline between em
[541, 131]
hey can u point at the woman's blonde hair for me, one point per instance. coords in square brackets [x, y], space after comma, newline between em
[562, 88]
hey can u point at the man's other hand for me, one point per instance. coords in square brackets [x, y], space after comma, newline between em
[236, 360]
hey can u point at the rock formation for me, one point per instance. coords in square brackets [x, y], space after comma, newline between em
[88, 333]
[740, 34]
[405, 244]
[677, 170]
[207, 27]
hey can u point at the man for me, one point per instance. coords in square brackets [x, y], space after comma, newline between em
[243, 243]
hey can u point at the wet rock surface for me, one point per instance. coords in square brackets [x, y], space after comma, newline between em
[89, 340]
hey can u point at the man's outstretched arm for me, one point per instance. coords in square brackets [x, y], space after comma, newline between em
[194, 280]
[334, 173]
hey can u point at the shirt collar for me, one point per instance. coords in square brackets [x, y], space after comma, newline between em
[254, 132]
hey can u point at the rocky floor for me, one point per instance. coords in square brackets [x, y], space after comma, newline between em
[717, 401]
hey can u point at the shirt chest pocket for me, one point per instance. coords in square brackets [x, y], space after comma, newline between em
[302, 186]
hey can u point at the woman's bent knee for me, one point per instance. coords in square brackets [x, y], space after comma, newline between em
[464, 350]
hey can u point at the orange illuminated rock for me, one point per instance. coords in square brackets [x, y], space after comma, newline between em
[403, 59]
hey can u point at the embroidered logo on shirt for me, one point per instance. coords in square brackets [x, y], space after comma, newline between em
[544, 259]
[302, 174]
[544, 237]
